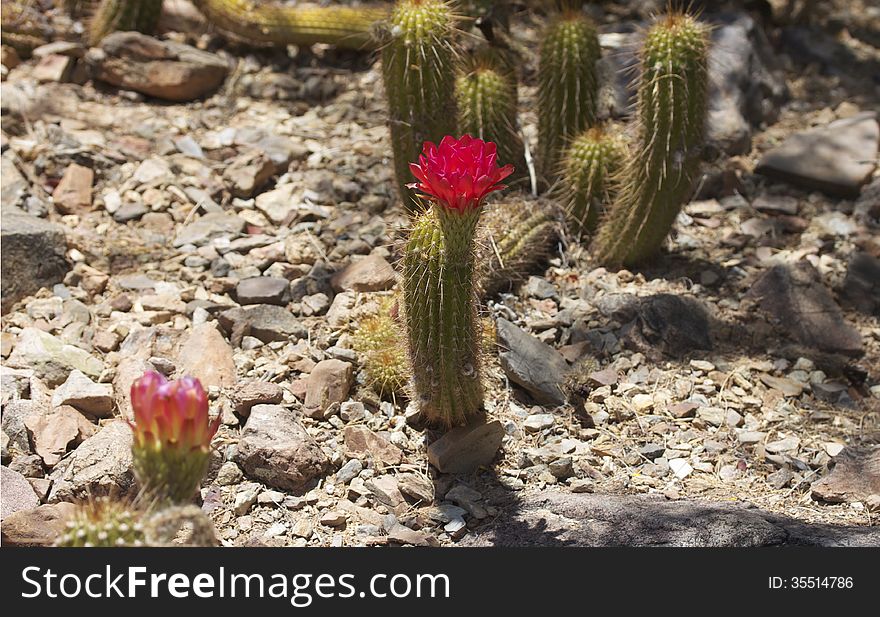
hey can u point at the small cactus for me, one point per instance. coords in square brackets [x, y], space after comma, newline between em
[172, 436]
[672, 108]
[381, 344]
[485, 92]
[123, 15]
[589, 166]
[418, 61]
[568, 84]
[274, 24]
[438, 278]
[105, 522]
[517, 237]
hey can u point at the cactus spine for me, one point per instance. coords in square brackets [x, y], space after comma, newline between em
[261, 22]
[485, 92]
[441, 316]
[567, 85]
[672, 115]
[380, 342]
[517, 237]
[124, 15]
[589, 165]
[103, 522]
[418, 71]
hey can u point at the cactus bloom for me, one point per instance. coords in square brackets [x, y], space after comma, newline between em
[459, 173]
[172, 435]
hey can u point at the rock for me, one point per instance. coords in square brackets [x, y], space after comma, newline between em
[861, 287]
[263, 321]
[385, 490]
[275, 449]
[780, 478]
[361, 442]
[164, 69]
[465, 448]
[40, 526]
[349, 471]
[73, 195]
[14, 415]
[417, 486]
[672, 325]
[101, 465]
[80, 392]
[680, 467]
[797, 301]
[209, 226]
[249, 393]
[50, 358]
[277, 204]
[528, 362]
[34, 250]
[205, 355]
[248, 173]
[778, 204]
[229, 474]
[787, 444]
[560, 519]
[405, 535]
[788, 387]
[53, 433]
[9, 57]
[263, 290]
[652, 451]
[333, 518]
[538, 422]
[329, 382]
[854, 476]
[744, 88]
[17, 493]
[372, 273]
[836, 159]
[53, 68]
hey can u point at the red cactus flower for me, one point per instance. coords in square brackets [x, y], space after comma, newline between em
[171, 414]
[459, 173]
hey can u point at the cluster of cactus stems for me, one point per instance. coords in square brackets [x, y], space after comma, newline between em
[568, 84]
[486, 97]
[103, 521]
[418, 69]
[172, 437]
[124, 15]
[439, 286]
[590, 165]
[672, 108]
[273, 23]
[380, 343]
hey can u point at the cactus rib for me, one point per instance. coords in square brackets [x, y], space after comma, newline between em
[124, 15]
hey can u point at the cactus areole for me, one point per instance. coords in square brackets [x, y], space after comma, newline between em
[172, 436]
[438, 265]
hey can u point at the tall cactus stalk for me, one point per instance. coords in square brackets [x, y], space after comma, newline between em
[123, 15]
[518, 236]
[568, 84]
[271, 23]
[418, 60]
[439, 290]
[590, 165]
[672, 102]
[485, 92]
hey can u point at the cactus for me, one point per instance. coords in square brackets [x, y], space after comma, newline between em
[438, 278]
[123, 15]
[485, 92]
[589, 166]
[103, 521]
[672, 115]
[172, 437]
[418, 70]
[568, 84]
[261, 22]
[518, 236]
[380, 343]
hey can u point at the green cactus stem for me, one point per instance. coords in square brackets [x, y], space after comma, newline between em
[123, 15]
[567, 85]
[441, 317]
[273, 24]
[381, 346]
[418, 61]
[672, 107]
[590, 164]
[517, 238]
[485, 92]
[103, 522]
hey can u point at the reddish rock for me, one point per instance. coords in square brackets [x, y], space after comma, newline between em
[329, 382]
[361, 442]
[73, 195]
[372, 273]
